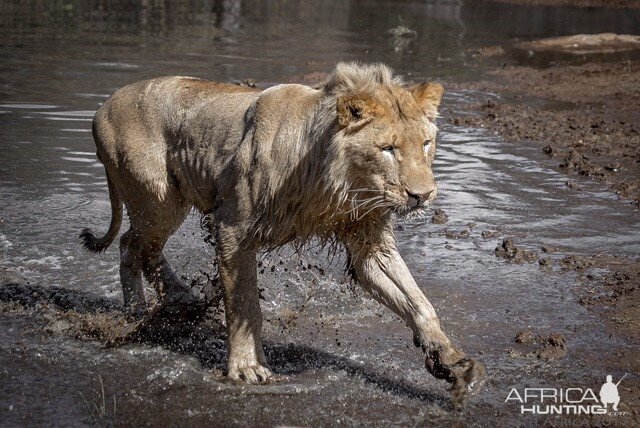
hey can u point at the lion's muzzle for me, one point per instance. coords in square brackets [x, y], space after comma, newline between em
[420, 199]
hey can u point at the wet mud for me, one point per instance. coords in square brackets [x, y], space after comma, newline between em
[509, 251]
[555, 306]
[575, 114]
[572, 109]
[547, 347]
[439, 216]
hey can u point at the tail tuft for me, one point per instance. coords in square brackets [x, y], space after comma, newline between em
[98, 245]
[91, 242]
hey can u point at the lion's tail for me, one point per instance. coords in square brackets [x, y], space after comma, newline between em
[95, 244]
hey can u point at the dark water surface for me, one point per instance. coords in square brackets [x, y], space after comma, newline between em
[347, 361]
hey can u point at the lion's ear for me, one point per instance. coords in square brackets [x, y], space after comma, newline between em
[354, 108]
[428, 95]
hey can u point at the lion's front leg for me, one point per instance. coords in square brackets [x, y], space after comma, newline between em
[246, 359]
[385, 275]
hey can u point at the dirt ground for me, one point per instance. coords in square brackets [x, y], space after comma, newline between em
[585, 115]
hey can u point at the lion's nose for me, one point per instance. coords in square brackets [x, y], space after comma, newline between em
[417, 199]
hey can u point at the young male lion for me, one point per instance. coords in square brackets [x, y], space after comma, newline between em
[271, 167]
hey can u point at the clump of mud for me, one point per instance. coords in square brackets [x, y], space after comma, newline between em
[525, 336]
[546, 347]
[490, 234]
[456, 234]
[439, 217]
[545, 262]
[576, 262]
[509, 251]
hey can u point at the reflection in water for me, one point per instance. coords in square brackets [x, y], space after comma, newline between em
[269, 39]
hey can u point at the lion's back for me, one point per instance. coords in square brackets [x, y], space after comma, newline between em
[143, 127]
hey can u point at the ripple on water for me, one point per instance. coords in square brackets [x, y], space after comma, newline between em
[117, 65]
[72, 113]
[79, 159]
[28, 106]
[76, 130]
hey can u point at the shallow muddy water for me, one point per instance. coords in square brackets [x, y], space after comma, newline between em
[342, 359]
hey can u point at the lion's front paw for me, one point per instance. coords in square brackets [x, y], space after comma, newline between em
[256, 373]
[466, 375]
[470, 374]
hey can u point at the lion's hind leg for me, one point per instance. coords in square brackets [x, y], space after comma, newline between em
[131, 274]
[154, 218]
[176, 298]
[154, 224]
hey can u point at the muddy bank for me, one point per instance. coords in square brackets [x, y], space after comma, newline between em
[583, 114]
[585, 117]
[610, 286]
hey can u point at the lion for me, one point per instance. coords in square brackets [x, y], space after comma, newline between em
[340, 161]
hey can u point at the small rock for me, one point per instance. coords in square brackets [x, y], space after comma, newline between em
[557, 339]
[508, 250]
[525, 336]
[576, 263]
[488, 234]
[572, 185]
[456, 234]
[544, 262]
[555, 346]
[439, 217]
[249, 83]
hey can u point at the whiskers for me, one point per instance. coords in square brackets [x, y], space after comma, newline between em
[361, 206]
[413, 215]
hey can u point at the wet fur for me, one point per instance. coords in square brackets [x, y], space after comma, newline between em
[272, 167]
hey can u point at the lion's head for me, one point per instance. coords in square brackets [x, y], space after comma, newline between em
[387, 138]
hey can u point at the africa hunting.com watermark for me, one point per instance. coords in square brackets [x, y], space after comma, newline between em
[567, 401]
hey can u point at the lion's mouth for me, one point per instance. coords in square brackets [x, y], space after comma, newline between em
[406, 207]
[411, 211]
[414, 214]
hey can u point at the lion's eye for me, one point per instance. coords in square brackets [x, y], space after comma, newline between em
[426, 147]
[388, 149]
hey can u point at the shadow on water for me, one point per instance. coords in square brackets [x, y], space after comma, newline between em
[205, 341]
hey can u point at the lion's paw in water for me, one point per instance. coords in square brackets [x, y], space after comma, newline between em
[466, 376]
[173, 317]
[254, 373]
[470, 376]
